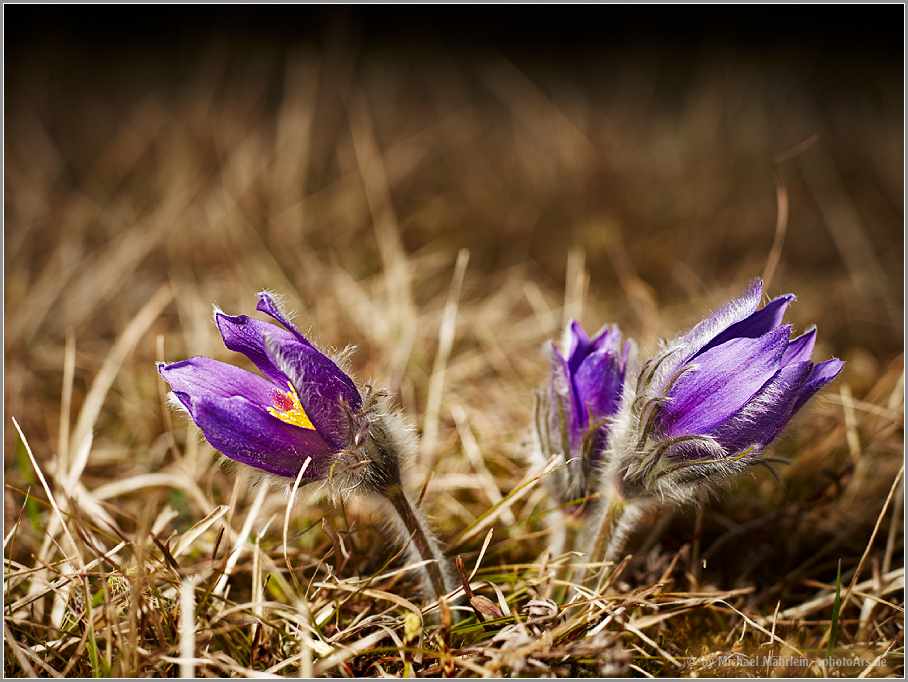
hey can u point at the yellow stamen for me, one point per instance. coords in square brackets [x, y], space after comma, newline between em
[288, 409]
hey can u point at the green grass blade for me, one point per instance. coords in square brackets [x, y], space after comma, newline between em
[836, 606]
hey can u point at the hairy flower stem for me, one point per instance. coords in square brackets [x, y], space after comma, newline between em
[564, 530]
[421, 541]
[609, 539]
[384, 449]
[618, 516]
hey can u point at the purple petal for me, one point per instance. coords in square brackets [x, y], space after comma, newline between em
[564, 418]
[246, 434]
[723, 380]
[247, 336]
[767, 413]
[327, 394]
[602, 337]
[630, 348]
[598, 383]
[270, 307]
[608, 337]
[577, 344]
[757, 324]
[821, 375]
[733, 312]
[800, 349]
[201, 377]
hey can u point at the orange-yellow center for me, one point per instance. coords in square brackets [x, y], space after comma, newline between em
[288, 409]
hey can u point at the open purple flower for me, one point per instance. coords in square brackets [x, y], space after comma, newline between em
[304, 405]
[574, 412]
[714, 398]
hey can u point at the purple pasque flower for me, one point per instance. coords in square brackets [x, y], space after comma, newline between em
[303, 406]
[574, 411]
[712, 400]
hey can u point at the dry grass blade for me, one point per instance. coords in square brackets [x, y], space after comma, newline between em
[241, 538]
[187, 538]
[50, 496]
[894, 581]
[161, 480]
[471, 447]
[495, 512]
[402, 319]
[57, 584]
[69, 368]
[348, 652]
[759, 627]
[187, 628]
[139, 324]
[375, 594]
[482, 553]
[576, 282]
[874, 663]
[18, 652]
[445, 343]
[671, 659]
[876, 527]
[775, 252]
[296, 485]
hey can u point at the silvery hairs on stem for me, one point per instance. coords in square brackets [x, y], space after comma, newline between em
[305, 407]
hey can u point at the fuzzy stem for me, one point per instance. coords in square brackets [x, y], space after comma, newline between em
[564, 531]
[617, 516]
[422, 542]
[610, 538]
[384, 449]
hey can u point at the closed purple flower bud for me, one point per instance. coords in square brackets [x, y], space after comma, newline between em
[713, 399]
[574, 411]
[303, 407]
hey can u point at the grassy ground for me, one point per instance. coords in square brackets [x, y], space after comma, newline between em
[447, 211]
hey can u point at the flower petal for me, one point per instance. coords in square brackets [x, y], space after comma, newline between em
[564, 417]
[244, 433]
[768, 412]
[821, 375]
[576, 344]
[801, 348]
[201, 377]
[757, 324]
[721, 382]
[246, 335]
[599, 381]
[609, 337]
[270, 307]
[327, 395]
[579, 345]
[734, 311]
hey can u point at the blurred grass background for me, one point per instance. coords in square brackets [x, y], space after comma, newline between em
[609, 168]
